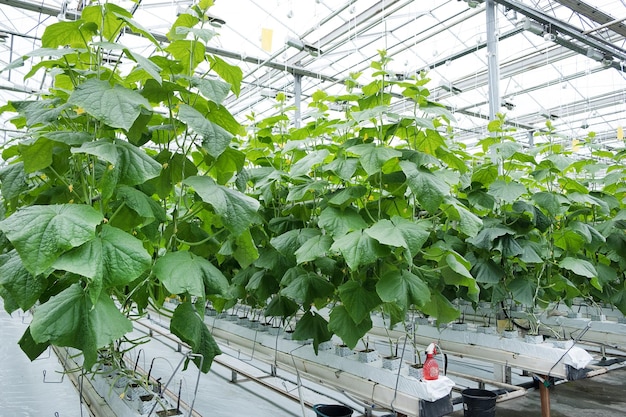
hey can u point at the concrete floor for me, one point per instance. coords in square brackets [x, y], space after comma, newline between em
[600, 396]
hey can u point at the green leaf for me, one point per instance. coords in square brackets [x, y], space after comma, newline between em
[13, 180]
[440, 308]
[347, 195]
[469, 223]
[105, 19]
[216, 138]
[236, 209]
[37, 155]
[342, 324]
[579, 267]
[308, 287]
[403, 288]
[338, 222]
[281, 306]
[523, 290]
[400, 232]
[232, 74]
[487, 271]
[42, 233]
[115, 258]
[344, 168]
[507, 192]
[569, 240]
[358, 300]
[134, 164]
[212, 89]
[184, 272]
[551, 202]
[72, 34]
[487, 237]
[116, 106]
[189, 53]
[372, 157]
[145, 64]
[358, 249]
[312, 325]
[190, 328]
[142, 204]
[304, 165]
[70, 319]
[184, 20]
[23, 287]
[315, 247]
[429, 189]
[32, 349]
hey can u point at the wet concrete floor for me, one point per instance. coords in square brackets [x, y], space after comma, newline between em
[601, 396]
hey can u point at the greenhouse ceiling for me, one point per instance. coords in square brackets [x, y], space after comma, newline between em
[558, 60]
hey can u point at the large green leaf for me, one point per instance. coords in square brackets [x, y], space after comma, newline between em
[22, 286]
[216, 138]
[523, 290]
[428, 188]
[71, 319]
[134, 164]
[141, 204]
[236, 209]
[468, 222]
[184, 272]
[114, 257]
[288, 242]
[338, 222]
[358, 300]
[189, 53]
[214, 90]
[486, 238]
[579, 267]
[106, 18]
[307, 287]
[37, 155]
[440, 308]
[72, 33]
[281, 306]
[358, 249]
[312, 326]
[315, 247]
[550, 202]
[403, 288]
[232, 74]
[190, 328]
[372, 157]
[115, 105]
[505, 191]
[304, 165]
[400, 232]
[342, 324]
[344, 168]
[31, 348]
[13, 180]
[487, 271]
[42, 233]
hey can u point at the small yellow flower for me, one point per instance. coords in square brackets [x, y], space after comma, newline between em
[165, 165]
[71, 188]
[79, 110]
[110, 167]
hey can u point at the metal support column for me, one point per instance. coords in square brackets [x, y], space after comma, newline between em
[297, 94]
[493, 65]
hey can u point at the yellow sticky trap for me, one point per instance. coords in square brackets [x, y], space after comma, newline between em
[575, 145]
[620, 133]
[266, 39]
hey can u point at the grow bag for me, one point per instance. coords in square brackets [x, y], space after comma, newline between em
[332, 410]
[479, 403]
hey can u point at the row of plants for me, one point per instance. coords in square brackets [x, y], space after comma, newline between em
[134, 183]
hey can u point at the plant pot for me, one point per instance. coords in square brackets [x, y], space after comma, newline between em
[254, 324]
[459, 326]
[274, 330]
[231, 317]
[416, 370]
[422, 321]
[621, 320]
[264, 327]
[327, 345]
[169, 413]
[391, 362]
[210, 312]
[510, 334]
[145, 403]
[534, 339]
[343, 351]
[486, 329]
[367, 355]
[574, 315]
[598, 317]
[288, 334]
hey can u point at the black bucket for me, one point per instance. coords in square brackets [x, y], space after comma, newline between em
[479, 403]
[332, 410]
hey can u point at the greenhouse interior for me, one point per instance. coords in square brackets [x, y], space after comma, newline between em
[313, 208]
